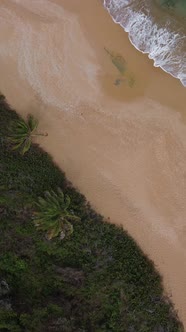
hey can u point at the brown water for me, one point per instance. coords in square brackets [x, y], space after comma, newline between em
[113, 121]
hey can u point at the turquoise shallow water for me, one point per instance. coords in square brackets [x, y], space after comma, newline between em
[155, 27]
[176, 7]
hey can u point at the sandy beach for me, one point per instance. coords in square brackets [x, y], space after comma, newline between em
[116, 125]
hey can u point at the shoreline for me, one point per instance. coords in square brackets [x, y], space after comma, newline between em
[99, 259]
[124, 148]
[147, 53]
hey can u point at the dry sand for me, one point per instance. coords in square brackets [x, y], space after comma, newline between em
[123, 147]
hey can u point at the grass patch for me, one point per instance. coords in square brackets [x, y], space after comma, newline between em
[95, 280]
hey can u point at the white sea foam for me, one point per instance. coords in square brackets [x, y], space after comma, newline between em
[164, 40]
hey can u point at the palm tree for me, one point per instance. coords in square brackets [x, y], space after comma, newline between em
[53, 215]
[21, 133]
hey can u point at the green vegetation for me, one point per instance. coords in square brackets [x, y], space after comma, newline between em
[95, 280]
[21, 133]
[53, 214]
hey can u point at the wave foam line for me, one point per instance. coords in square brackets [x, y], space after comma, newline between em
[162, 44]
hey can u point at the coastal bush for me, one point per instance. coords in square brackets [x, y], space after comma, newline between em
[97, 279]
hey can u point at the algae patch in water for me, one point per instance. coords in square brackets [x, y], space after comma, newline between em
[120, 63]
[169, 3]
[117, 60]
[175, 7]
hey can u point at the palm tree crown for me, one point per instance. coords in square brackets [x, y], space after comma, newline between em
[21, 133]
[53, 214]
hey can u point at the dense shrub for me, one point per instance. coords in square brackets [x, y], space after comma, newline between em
[96, 280]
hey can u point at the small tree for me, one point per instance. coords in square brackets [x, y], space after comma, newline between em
[21, 133]
[53, 215]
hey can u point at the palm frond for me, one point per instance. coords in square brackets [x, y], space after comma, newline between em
[32, 122]
[54, 231]
[53, 215]
[17, 146]
[67, 201]
[20, 124]
[26, 145]
[72, 217]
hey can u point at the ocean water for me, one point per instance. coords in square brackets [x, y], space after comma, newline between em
[155, 27]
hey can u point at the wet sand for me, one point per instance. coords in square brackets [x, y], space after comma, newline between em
[120, 137]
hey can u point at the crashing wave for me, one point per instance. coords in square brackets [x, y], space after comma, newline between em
[163, 36]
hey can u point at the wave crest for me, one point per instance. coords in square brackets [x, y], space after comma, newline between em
[163, 36]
